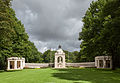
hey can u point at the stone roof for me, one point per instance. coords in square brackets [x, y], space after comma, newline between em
[60, 51]
[103, 57]
[16, 58]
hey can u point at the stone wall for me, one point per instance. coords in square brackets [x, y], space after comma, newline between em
[38, 65]
[83, 64]
[44, 65]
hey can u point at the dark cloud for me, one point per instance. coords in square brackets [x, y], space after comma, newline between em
[52, 22]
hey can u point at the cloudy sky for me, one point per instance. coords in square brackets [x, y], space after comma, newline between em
[50, 23]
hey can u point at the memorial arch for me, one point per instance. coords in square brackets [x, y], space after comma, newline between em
[59, 58]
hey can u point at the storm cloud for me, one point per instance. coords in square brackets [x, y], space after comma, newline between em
[50, 23]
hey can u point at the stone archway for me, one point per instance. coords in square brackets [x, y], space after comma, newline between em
[59, 58]
[60, 61]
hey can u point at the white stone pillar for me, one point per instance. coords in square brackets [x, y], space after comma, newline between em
[96, 63]
[8, 65]
[21, 64]
[56, 61]
[64, 62]
[104, 63]
[15, 64]
[98, 66]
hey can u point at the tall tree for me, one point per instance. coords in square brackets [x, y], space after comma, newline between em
[91, 30]
[100, 33]
[6, 33]
[111, 32]
[13, 39]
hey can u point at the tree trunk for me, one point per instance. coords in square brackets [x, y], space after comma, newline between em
[6, 64]
[113, 62]
[114, 58]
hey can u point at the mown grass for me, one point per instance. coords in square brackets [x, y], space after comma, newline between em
[70, 75]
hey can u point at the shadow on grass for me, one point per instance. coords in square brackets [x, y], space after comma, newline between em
[2, 71]
[13, 70]
[90, 75]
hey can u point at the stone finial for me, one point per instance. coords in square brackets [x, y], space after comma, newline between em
[59, 46]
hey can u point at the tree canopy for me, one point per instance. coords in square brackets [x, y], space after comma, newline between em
[100, 33]
[13, 38]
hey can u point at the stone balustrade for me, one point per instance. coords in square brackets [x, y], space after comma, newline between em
[43, 65]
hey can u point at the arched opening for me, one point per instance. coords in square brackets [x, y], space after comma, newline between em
[107, 63]
[11, 64]
[60, 59]
[101, 63]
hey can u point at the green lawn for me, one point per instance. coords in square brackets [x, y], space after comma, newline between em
[71, 75]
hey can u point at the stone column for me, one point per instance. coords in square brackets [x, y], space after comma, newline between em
[104, 63]
[15, 64]
[55, 62]
[95, 62]
[21, 64]
[8, 65]
[98, 66]
[63, 61]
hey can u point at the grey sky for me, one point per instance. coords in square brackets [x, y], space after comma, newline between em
[50, 23]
